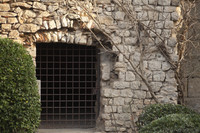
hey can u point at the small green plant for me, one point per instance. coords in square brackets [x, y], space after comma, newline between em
[19, 98]
[156, 111]
[174, 123]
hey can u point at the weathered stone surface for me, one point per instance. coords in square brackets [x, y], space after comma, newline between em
[158, 76]
[119, 15]
[64, 21]
[103, 1]
[38, 21]
[14, 34]
[120, 85]
[38, 5]
[4, 7]
[107, 20]
[139, 94]
[8, 14]
[119, 101]
[29, 14]
[169, 24]
[6, 27]
[154, 65]
[12, 20]
[52, 24]
[20, 4]
[127, 93]
[2, 20]
[130, 76]
[52, 8]
[164, 2]
[45, 23]
[28, 28]
[105, 71]
[44, 14]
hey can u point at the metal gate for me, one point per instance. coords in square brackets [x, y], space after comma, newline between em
[69, 77]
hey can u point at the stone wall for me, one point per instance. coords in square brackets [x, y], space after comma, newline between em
[66, 21]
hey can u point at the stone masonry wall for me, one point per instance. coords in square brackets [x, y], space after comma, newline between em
[66, 21]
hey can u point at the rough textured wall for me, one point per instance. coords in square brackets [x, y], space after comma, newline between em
[66, 21]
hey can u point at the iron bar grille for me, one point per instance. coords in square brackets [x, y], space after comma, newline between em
[69, 85]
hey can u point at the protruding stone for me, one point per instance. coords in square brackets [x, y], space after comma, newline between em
[52, 24]
[119, 15]
[20, 4]
[38, 21]
[14, 34]
[12, 20]
[2, 20]
[6, 27]
[29, 14]
[45, 23]
[64, 21]
[52, 8]
[44, 14]
[28, 28]
[4, 7]
[40, 6]
[83, 40]
[8, 14]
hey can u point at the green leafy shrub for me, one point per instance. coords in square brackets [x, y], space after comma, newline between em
[155, 111]
[174, 123]
[19, 98]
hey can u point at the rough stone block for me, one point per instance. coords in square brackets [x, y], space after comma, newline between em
[130, 76]
[164, 2]
[4, 7]
[14, 34]
[169, 24]
[175, 16]
[153, 2]
[127, 93]
[135, 85]
[119, 101]
[6, 27]
[40, 6]
[52, 24]
[138, 94]
[119, 15]
[2, 20]
[29, 28]
[120, 84]
[29, 14]
[169, 9]
[20, 4]
[12, 20]
[154, 65]
[8, 14]
[158, 76]
[103, 1]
